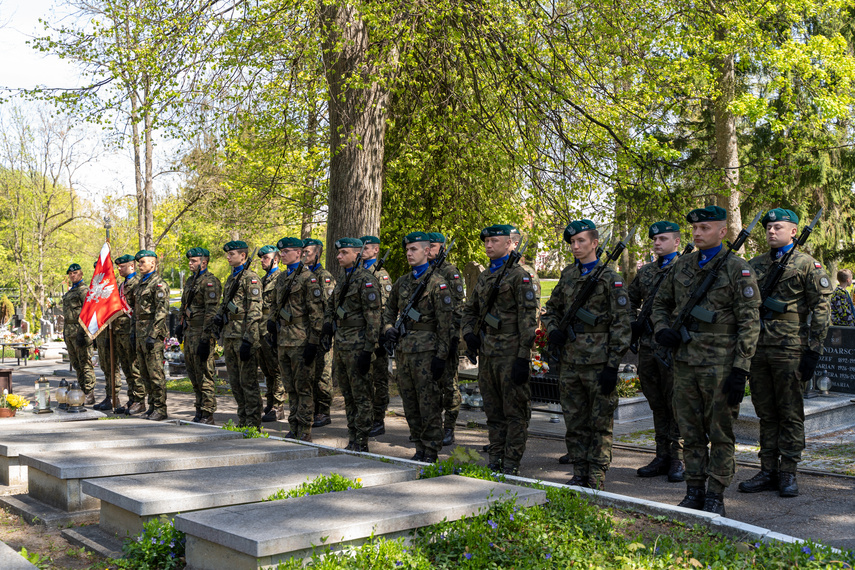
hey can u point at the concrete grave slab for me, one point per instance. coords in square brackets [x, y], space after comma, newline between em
[251, 536]
[11, 560]
[128, 502]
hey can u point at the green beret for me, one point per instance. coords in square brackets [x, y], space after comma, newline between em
[780, 215]
[577, 227]
[265, 249]
[415, 237]
[145, 253]
[73, 267]
[312, 241]
[287, 242]
[236, 244]
[708, 214]
[496, 230]
[663, 228]
[370, 239]
[197, 252]
[515, 231]
[125, 258]
[436, 237]
[342, 243]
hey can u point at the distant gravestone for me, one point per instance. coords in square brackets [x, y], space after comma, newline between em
[470, 275]
[838, 359]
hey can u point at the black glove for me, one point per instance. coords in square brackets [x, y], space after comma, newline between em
[437, 367]
[245, 350]
[452, 345]
[149, 343]
[521, 371]
[219, 321]
[309, 353]
[637, 328]
[380, 352]
[270, 340]
[203, 351]
[81, 339]
[179, 334]
[326, 330]
[271, 328]
[363, 362]
[556, 338]
[607, 380]
[472, 341]
[669, 338]
[734, 386]
[808, 364]
[392, 335]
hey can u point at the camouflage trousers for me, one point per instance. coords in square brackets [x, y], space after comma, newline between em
[422, 398]
[202, 373]
[776, 392]
[268, 361]
[507, 407]
[152, 374]
[380, 385]
[243, 379]
[126, 356]
[297, 379]
[657, 384]
[588, 417]
[81, 361]
[356, 389]
[112, 380]
[322, 386]
[451, 390]
[704, 417]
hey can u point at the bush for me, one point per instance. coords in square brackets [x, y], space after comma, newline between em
[158, 547]
[317, 486]
[249, 432]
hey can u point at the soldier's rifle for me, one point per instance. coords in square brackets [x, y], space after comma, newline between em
[487, 317]
[409, 312]
[224, 310]
[692, 310]
[647, 308]
[382, 261]
[183, 323]
[577, 312]
[340, 313]
[776, 271]
[284, 313]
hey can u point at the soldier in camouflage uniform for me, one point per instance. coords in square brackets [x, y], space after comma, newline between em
[380, 366]
[842, 308]
[199, 303]
[296, 317]
[358, 315]
[710, 372]
[126, 352]
[448, 384]
[422, 354]
[657, 380]
[268, 357]
[112, 380]
[241, 333]
[151, 307]
[788, 351]
[77, 341]
[589, 366]
[504, 365]
[322, 386]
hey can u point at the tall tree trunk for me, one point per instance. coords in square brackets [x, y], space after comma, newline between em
[149, 174]
[307, 216]
[727, 149]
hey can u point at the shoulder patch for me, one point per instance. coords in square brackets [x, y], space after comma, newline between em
[385, 277]
[369, 284]
[526, 279]
[456, 276]
[254, 281]
[314, 280]
[326, 279]
[748, 292]
[746, 273]
[443, 286]
[210, 283]
[618, 283]
[817, 264]
[824, 282]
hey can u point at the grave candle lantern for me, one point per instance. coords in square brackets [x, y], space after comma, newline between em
[75, 398]
[43, 396]
[62, 395]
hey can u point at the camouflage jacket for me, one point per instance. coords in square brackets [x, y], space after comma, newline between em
[842, 310]
[607, 341]
[268, 290]
[72, 303]
[244, 310]
[383, 281]
[122, 324]
[200, 301]
[805, 288]
[435, 325]
[735, 300]
[641, 288]
[325, 280]
[451, 275]
[151, 308]
[359, 325]
[301, 314]
[516, 309]
[535, 282]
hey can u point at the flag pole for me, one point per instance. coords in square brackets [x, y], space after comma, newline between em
[113, 374]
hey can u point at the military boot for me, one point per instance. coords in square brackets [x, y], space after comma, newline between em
[495, 464]
[363, 447]
[418, 456]
[659, 466]
[105, 404]
[714, 503]
[677, 471]
[157, 417]
[269, 416]
[280, 411]
[149, 411]
[306, 436]
[321, 420]
[511, 470]
[198, 417]
[597, 479]
[762, 481]
[378, 428]
[90, 398]
[449, 437]
[578, 481]
[350, 446]
[207, 418]
[694, 498]
[564, 459]
[787, 485]
[431, 456]
[136, 408]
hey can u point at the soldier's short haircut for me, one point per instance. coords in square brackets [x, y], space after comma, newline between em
[844, 275]
[595, 234]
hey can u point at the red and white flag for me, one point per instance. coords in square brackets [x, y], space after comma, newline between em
[103, 303]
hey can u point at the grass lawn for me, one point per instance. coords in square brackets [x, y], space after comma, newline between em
[546, 287]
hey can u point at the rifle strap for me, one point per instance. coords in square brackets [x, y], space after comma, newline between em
[431, 327]
[504, 328]
[793, 317]
[353, 322]
[697, 326]
[582, 328]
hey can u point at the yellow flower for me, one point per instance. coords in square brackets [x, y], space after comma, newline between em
[16, 401]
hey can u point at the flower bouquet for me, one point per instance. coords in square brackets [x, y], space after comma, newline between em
[11, 403]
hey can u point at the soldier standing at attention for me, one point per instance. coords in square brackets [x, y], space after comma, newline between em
[112, 380]
[77, 342]
[355, 307]
[126, 352]
[788, 351]
[448, 383]
[199, 303]
[297, 307]
[241, 334]
[589, 366]
[422, 354]
[268, 357]
[151, 307]
[380, 366]
[322, 386]
[710, 372]
[657, 380]
[504, 364]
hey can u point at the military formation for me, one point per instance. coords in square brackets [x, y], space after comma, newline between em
[704, 323]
